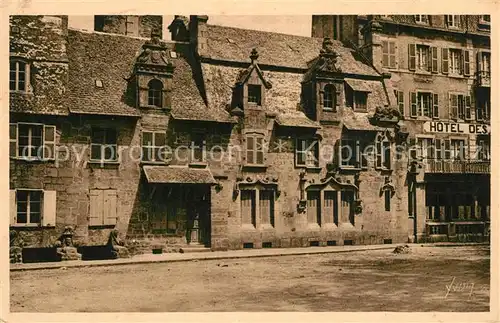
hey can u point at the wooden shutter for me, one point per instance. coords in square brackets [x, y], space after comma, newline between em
[468, 115]
[413, 104]
[392, 54]
[109, 216]
[466, 56]
[434, 63]
[444, 60]
[250, 150]
[435, 105]
[385, 53]
[49, 142]
[412, 57]
[439, 149]
[461, 106]
[379, 153]
[13, 140]
[49, 209]
[479, 61]
[447, 150]
[429, 58]
[96, 207]
[401, 102]
[453, 106]
[12, 207]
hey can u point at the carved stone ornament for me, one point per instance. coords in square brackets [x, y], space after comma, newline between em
[65, 248]
[328, 57]
[118, 248]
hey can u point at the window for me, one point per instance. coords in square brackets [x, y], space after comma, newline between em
[484, 66]
[387, 198]
[455, 59]
[460, 106]
[329, 93]
[32, 207]
[457, 149]
[421, 19]
[483, 105]
[19, 76]
[248, 207]
[483, 149]
[331, 207]
[347, 210]
[103, 206]
[389, 54]
[356, 99]
[400, 101]
[266, 207]
[198, 146]
[307, 153]
[255, 150]
[31, 141]
[153, 145]
[254, 94]
[313, 207]
[155, 91]
[383, 153]
[453, 21]
[424, 104]
[422, 58]
[425, 148]
[354, 152]
[103, 146]
[29, 207]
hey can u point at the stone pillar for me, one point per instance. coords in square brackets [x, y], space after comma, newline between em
[421, 210]
[220, 199]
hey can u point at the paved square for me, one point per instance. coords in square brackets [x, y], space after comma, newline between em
[428, 279]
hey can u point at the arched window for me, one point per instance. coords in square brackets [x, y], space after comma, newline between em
[383, 152]
[155, 89]
[329, 97]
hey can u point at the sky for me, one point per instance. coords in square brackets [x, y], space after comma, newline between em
[295, 25]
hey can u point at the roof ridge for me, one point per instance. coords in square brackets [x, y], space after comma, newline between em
[264, 31]
[86, 31]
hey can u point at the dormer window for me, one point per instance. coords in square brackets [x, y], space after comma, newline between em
[155, 89]
[329, 97]
[421, 19]
[255, 94]
[453, 21]
[18, 76]
[357, 100]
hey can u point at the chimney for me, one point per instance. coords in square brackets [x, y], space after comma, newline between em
[179, 29]
[198, 33]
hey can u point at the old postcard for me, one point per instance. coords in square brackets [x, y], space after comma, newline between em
[311, 162]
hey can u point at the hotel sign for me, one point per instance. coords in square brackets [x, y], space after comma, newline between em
[458, 128]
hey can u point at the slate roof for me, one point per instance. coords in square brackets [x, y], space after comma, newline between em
[235, 44]
[178, 175]
[110, 58]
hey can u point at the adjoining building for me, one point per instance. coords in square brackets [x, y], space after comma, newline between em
[223, 138]
[440, 69]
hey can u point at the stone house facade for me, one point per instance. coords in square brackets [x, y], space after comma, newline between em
[223, 138]
[440, 68]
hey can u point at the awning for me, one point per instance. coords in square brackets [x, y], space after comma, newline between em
[358, 85]
[359, 121]
[178, 175]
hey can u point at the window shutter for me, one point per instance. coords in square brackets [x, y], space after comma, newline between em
[439, 149]
[392, 54]
[412, 57]
[401, 102]
[109, 216]
[435, 105]
[250, 150]
[479, 61]
[49, 209]
[453, 106]
[260, 151]
[413, 104]
[461, 106]
[13, 140]
[444, 60]
[466, 56]
[447, 150]
[385, 53]
[468, 115]
[434, 63]
[96, 207]
[49, 142]
[12, 207]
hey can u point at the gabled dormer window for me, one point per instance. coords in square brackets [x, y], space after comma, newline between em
[155, 89]
[255, 94]
[329, 94]
[19, 76]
